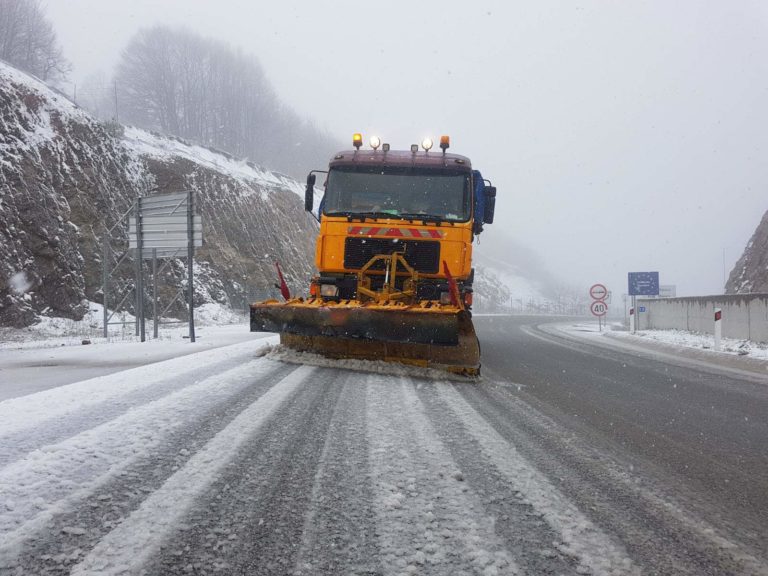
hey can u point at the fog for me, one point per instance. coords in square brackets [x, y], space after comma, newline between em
[621, 137]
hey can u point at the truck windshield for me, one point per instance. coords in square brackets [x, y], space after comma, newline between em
[398, 193]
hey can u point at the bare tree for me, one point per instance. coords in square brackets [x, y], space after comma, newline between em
[28, 40]
[180, 83]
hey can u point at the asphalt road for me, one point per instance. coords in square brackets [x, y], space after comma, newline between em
[566, 458]
[693, 439]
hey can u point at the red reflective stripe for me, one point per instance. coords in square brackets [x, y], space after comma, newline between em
[373, 231]
[718, 315]
[394, 232]
[354, 229]
[435, 233]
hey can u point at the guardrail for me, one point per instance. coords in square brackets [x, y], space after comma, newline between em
[744, 316]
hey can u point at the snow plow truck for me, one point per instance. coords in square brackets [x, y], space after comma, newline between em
[394, 260]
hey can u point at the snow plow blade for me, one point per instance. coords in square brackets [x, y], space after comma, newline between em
[434, 336]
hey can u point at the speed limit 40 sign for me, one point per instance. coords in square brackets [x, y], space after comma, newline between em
[599, 308]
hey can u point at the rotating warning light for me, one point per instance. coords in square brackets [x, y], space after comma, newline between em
[414, 148]
[445, 142]
[357, 140]
[427, 144]
[375, 142]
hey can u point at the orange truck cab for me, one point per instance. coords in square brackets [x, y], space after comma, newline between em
[428, 206]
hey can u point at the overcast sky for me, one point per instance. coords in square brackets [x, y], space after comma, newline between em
[622, 136]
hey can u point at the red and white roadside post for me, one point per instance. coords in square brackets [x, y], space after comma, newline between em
[632, 320]
[718, 328]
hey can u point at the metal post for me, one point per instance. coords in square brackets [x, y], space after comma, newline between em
[190, 259]
[105, 266]
[245, 290]
[137, 256]
[140, 272]
[154, 293]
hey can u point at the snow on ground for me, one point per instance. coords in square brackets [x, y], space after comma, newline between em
[54, 101]
[32, 369]
[597, 552]
[694, 340]
[284, 354]
[426, 516]
[52, 331]
[51, 353]
[128, 546]
[166, 148]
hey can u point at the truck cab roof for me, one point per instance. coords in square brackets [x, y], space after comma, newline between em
[401, 158]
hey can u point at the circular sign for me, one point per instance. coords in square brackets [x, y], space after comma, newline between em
[599, 308]
[598, 292]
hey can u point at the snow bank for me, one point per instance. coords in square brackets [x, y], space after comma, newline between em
[682, 338]
[698, 340]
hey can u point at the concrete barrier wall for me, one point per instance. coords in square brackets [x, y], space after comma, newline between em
[745, 316]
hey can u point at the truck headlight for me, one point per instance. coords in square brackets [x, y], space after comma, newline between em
[329, 290]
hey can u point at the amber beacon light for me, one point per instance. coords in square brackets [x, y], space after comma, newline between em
[445, 142]
[357, 140]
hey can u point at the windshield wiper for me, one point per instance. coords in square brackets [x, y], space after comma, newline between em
[422, 217]
[372, 215]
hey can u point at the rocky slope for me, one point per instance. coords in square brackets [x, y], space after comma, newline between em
[750, 274]
[66, 178]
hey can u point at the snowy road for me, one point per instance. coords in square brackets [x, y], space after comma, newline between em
[225, 462]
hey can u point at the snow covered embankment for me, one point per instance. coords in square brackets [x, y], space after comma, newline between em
[64, 177]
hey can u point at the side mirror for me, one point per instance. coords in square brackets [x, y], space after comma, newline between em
[309, 193]
[490, 204]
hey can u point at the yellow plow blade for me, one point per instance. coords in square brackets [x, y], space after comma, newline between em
[428, 334]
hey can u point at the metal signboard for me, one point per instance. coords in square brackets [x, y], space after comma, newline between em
[641, 308]
[643, 283]
[165, 231]
[598, 292]
[667, 291]
[165, 226]
[599, 308]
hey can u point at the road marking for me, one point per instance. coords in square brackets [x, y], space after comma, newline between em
[57, 477]
[428, 519]
[30, 411]
[583, 540]
[132, 543]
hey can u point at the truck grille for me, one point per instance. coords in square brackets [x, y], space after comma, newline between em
[424, 256]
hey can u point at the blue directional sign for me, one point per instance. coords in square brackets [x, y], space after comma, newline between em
[643, 283]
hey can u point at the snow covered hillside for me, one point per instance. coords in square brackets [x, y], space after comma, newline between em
[750, 274]
[511, 278]
[65, 178]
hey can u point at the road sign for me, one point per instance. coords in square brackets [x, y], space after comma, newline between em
[641, 308]
[643, 283]
[598, 292]
[164, 226]
[667, 291]
[167, 223]
[166, 231]
[599, 308]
